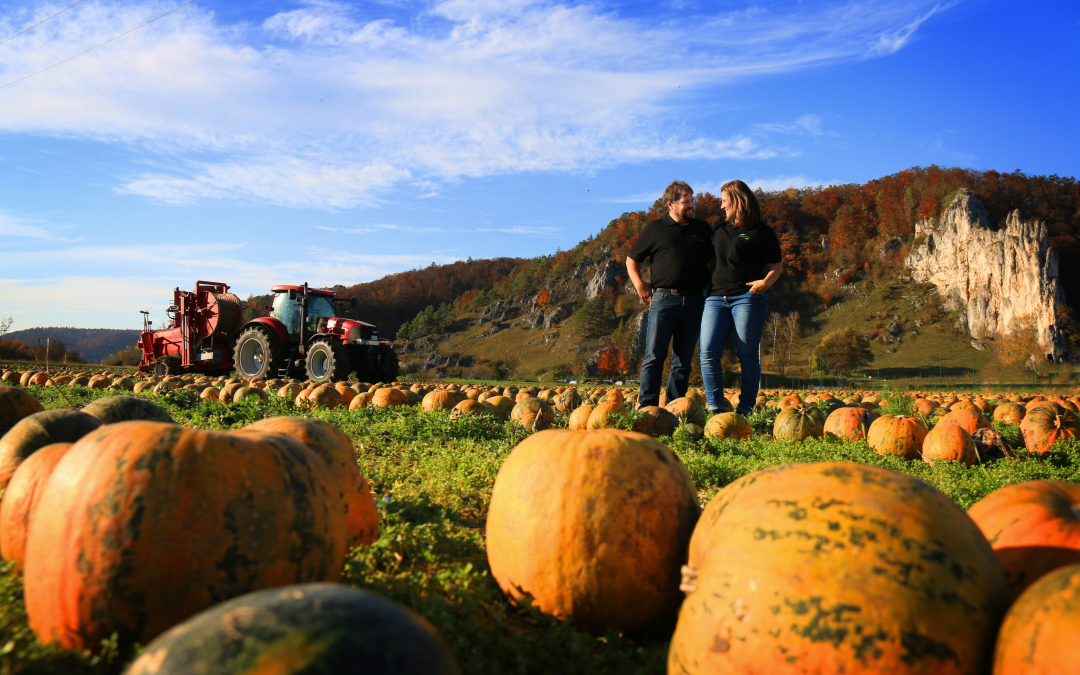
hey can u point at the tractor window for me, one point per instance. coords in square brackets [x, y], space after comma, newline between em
[318, 307]
[287, 312]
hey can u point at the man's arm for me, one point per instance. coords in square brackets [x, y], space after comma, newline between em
[644, 288]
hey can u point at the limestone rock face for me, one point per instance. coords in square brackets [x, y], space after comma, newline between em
[602, 280]
[996, 274]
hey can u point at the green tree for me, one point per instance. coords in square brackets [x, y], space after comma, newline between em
[596, 317]
[843, 351]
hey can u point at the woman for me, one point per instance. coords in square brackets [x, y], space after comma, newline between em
[748, 262]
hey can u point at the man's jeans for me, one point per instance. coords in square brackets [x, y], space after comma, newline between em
[745, 314]
[675, 320]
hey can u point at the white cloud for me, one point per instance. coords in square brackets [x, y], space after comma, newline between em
[21, 228]
[320, 106]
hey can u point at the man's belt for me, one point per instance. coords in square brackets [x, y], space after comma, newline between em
[676, 291]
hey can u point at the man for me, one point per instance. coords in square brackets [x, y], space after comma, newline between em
[680, 251]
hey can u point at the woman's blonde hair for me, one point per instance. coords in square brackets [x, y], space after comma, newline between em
[747, 206]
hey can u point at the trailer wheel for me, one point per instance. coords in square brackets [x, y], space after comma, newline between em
[167, 365]
[257, 353]
[327, 361]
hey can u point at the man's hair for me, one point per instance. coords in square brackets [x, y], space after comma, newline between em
[675, 191]
[746, 204]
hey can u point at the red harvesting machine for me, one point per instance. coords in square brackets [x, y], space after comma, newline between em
[302, 337]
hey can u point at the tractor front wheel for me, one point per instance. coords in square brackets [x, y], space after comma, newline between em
[327, 361]
[257, 353]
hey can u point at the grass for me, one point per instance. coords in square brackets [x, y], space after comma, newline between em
[433, 479]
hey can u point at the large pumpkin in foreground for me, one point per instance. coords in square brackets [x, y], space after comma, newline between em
[143, 524]
[309, 628]
[1034, 528]
[1039, 634]
[336, 449]
[593, 525]
[837, 568]
[21, 496]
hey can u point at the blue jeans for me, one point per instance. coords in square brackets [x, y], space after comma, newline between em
[745, 314]
[675, 320]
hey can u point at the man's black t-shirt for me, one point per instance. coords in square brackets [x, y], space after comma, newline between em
[680, 254]
[742, 253]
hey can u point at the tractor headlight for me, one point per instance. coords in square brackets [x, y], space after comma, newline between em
[355, 335]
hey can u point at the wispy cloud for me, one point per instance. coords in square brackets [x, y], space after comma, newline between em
[766, 184]
[807, 124]
[534, 231]
[330, 106]
[23, 229]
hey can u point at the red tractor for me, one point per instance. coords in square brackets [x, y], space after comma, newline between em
[302, 337]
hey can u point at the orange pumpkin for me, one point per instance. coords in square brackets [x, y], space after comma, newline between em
[968, 419]
[389, 397]
[347, 392]
[789, 401]
[469, 407]
[948, 441]
[1038, 635]
[656, 421]
[579, 419]
[837, 568]
[502, 407]
[593, 525]
[439, 400]
[1009, 413]
[16, 404]
[160, 522]
[1034, 528]
[530, 405]
[606, 415]
[897, 435]
[1042, 427]
[20, 498]
[728, 425]
[38, 430]
[326, 397]
[336, 449]
[849, 423]
[361, 401]
[923, 406]
[688, 409]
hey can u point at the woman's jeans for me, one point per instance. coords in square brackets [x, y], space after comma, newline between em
[745, 314]
[673, 320]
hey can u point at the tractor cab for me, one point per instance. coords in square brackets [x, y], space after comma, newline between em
[288, 308]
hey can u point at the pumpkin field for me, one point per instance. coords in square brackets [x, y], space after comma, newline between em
[530, 529]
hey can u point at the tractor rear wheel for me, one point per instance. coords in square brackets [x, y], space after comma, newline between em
[257, 353]
[327, 361]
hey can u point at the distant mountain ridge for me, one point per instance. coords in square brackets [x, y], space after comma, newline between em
[93, 344]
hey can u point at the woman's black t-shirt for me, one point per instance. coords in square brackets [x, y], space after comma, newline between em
[742, 254]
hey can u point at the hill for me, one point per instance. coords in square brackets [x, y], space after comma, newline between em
[91, 344]
[844, 249]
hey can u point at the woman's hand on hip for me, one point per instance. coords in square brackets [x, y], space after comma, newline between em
[757, 287]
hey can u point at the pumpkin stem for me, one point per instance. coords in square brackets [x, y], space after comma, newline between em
[689, 579]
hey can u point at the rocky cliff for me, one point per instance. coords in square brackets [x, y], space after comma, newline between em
[995, 275]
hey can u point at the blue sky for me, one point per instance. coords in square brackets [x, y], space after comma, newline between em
[261, 142]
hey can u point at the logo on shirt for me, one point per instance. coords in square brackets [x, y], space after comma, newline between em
[744, 236]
